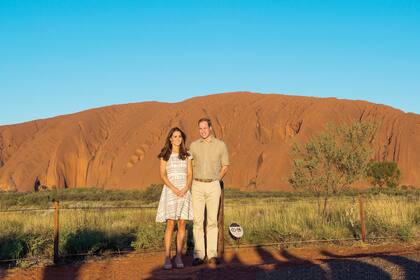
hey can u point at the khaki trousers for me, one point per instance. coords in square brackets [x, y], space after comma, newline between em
[205, 195]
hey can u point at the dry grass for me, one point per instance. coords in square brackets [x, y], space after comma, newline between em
[24, 234]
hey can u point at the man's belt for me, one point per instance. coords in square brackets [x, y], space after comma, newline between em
[204, 180]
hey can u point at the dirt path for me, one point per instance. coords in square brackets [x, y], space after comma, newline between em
[392, 261]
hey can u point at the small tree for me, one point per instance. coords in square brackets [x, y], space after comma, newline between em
[332, 160]
[384, 174]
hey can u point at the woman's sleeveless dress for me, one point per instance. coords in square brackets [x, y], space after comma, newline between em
[170, 205]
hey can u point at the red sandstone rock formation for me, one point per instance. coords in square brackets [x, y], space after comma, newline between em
[115, 147]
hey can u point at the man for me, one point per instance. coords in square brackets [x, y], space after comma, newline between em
[210, 164]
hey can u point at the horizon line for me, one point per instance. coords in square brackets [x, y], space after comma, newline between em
[203, 96]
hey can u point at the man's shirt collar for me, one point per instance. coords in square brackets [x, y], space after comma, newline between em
[210, 139]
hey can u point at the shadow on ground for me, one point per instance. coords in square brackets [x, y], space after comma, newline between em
[282, 264]
[259, 263]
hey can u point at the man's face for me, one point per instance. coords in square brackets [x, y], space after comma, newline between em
[204, 129]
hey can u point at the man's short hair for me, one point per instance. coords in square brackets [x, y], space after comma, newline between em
[207, 120]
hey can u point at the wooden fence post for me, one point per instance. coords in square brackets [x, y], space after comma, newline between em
[362, 219]
[221, 223]
[56, 230]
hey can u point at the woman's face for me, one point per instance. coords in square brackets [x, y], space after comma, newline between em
[176, 138]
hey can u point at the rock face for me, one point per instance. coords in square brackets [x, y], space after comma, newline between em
[115, 147]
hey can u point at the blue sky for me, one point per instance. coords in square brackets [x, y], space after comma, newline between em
[59, 57]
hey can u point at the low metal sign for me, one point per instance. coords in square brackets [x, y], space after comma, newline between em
[236, 231]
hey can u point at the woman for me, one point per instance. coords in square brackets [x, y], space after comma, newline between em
[175, 204]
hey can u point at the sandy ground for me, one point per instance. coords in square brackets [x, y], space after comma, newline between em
[391, 261]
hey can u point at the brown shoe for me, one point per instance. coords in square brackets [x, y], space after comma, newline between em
[214, 261]
[197, 261]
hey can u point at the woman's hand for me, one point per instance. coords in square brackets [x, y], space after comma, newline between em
[177, 192]
[183, 191]
[166, 181]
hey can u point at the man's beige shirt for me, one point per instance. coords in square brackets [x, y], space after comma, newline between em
[208, 158]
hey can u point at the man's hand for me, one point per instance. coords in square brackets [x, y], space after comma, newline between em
[223, 172]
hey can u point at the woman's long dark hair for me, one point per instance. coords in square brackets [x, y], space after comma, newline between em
[166, 151]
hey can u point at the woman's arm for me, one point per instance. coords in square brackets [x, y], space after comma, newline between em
[165, 179]
[189, 177]
[189, 174]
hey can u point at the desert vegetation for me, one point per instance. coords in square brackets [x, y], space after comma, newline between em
[266, 218]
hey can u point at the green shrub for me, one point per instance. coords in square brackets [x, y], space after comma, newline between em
[44, 199]
[15, 243]
[90, 242]
[152, 193]
[331, 161]
[149, 236]
[39, 244]
[404, 233]
[384, 174]
[12, 247]
[84, 241]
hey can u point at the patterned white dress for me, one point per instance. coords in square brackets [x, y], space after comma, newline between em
[170, 205]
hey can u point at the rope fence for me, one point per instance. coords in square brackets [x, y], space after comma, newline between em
[236, 205]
